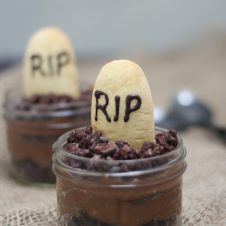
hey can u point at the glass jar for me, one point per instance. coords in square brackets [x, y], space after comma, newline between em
[143, 192]
[32, 130]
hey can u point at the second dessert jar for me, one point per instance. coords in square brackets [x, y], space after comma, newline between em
[49, 103]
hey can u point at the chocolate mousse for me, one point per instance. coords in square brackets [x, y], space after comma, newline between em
[96, 146]
[33, 124]
[146, 199]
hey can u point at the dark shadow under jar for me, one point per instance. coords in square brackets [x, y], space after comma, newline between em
[97, 192]
[32, 129]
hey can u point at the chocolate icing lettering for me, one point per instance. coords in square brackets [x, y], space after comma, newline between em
[130, 109]
[51, 70]
[36, 64]
[63, 59]
[98, 94]
[117, 106]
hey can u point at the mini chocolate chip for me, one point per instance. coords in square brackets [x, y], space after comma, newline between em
[147, 145]
[83, 152]
[88, 130]
[71, 140]
[161, 138]
[106, 149]
[84, 143]
[72, 148]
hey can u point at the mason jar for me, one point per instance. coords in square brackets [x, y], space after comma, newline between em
[97, 192]
[31, 131]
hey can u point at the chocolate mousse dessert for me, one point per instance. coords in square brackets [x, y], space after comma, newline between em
[120, 171]
[49, 104]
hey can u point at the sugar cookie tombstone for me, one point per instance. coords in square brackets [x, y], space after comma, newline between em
[49, 65]
[122, 103]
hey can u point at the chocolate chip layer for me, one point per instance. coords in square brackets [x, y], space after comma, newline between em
[51, 99]
[89, 144]
[30, 170]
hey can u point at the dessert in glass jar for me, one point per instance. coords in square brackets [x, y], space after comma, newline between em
[49, 103]
[33, 126]
[120, 171]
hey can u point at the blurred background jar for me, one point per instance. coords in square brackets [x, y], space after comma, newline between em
[32, 129]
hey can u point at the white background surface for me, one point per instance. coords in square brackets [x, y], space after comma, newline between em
[102, 26]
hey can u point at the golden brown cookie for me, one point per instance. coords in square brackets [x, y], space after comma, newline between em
[49, 65]
[122, 105]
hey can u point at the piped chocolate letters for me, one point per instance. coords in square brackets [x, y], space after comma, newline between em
[128, 102]
[49, 65]
[60, 60]
[129, 108]
[36, 64]
[103, 107]
[117, 106]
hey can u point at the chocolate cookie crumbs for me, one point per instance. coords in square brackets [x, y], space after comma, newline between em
[82, 218]
[30, 170]
[51, 99]
[87, 144]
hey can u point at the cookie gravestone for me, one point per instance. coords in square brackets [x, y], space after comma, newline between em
[122, 105]
[49, 65]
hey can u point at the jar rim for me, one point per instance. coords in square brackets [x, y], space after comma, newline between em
[13, 98]
[177, 155]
